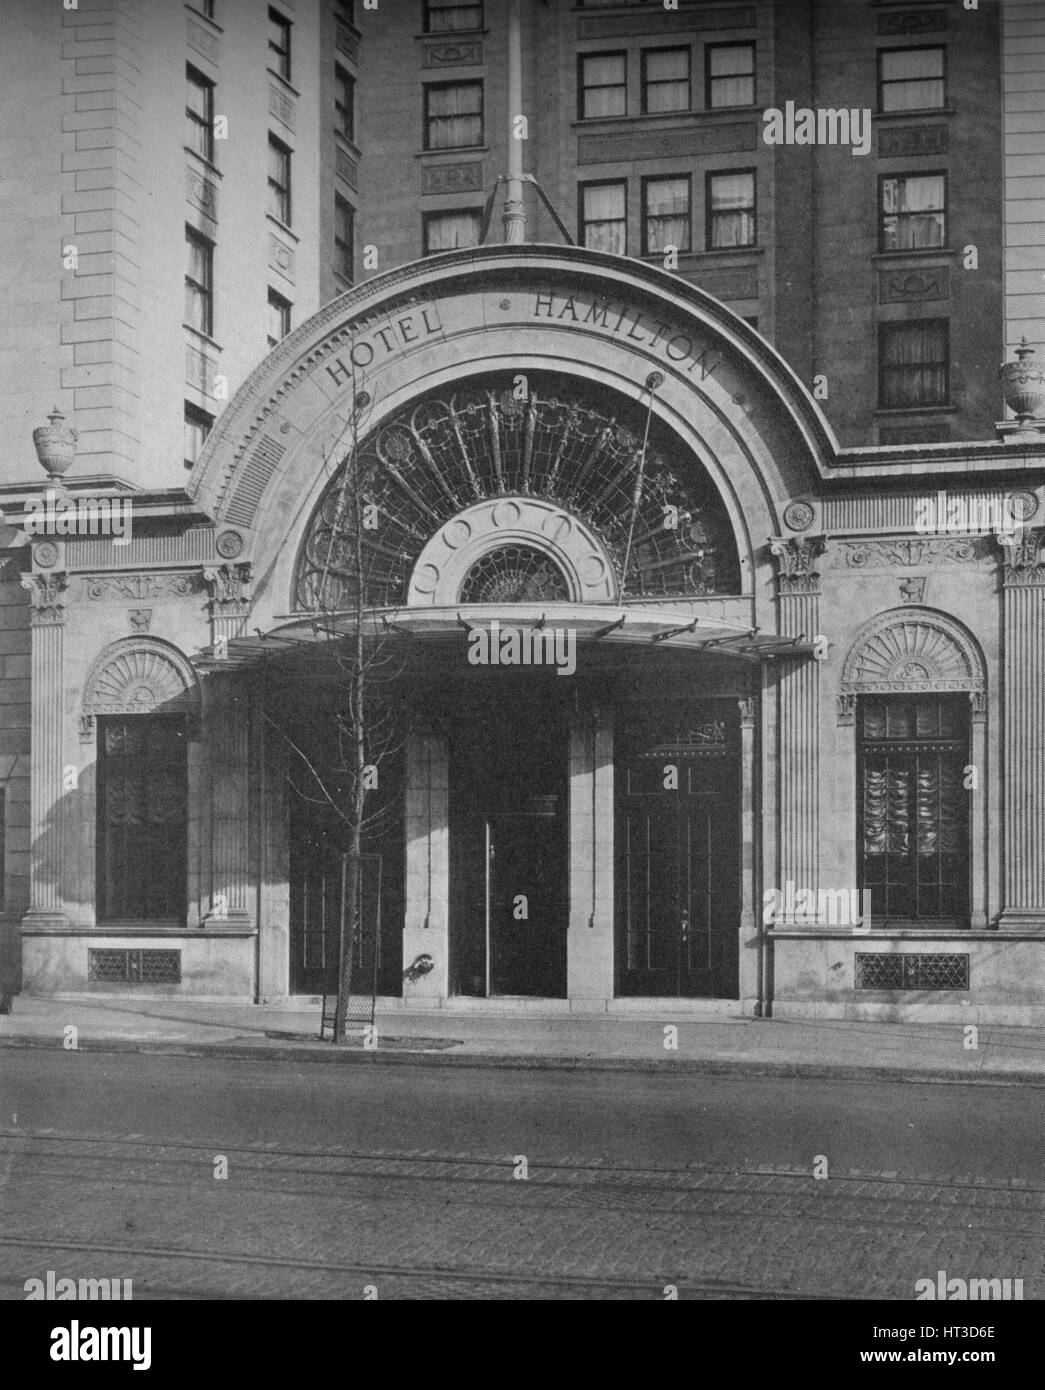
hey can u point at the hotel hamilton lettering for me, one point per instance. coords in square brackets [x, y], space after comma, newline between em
[419, 324]
[628, 322]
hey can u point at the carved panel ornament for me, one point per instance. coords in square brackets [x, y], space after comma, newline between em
[139, 586]
[452, 55]
[887, 554]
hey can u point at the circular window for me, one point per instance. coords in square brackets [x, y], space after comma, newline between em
[514, 574]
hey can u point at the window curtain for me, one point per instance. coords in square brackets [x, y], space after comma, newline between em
[453, 230]
[732, 212]
[605, 227]
[454, 117]
[604, 86]
[939, 823]
[667, 214]
[913, 209]
[915, 367]
[667, 81]
[732, 77]
[446, 15]
[886, 811]
[912, 79]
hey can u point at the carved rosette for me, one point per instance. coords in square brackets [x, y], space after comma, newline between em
[46, 597]
[796, 563]
[1023, 565]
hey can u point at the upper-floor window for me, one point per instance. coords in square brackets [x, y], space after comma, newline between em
[602, 85]
[344, 238]
[453, 115]
[197, 426]
[279, 318]
[279, 181]
[448, 231]
[731, 209]
[665, 80]
[442, 16]
[604, 217]
[729, 75]
[279, 44]
[914, 211]
[914, 364]
[199, 282]
[666, 216]
[199, 114]
[344, 102]
[911, 79]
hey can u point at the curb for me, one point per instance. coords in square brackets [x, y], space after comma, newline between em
[416, 1056]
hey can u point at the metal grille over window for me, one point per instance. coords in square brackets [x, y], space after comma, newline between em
[134, 967]
[935, 971]
[514, 574]
[447, 453]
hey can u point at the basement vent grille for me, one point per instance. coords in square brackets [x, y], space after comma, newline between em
[134, 967]
[912, 972]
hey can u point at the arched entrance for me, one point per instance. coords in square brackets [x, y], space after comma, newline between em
[568, 462]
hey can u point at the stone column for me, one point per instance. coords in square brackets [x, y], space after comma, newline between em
[1023, 587]
[47, 793]
[426, 935]
[227, 713]
[589, 942]
[979, 881]
[750, 921]
[799, 684]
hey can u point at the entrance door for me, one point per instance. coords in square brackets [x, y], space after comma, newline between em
[508, 843]
[677, 835]
[525, 904]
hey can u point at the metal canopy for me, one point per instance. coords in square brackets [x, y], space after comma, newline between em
[638, 626]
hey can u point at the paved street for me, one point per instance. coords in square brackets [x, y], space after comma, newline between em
[403, 1178]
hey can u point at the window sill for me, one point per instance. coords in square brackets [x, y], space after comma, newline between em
[203, 337]
[282, 227]
[912, 412]
[456, 150]
[344, 142]
[664, 120]
[449, 35]
[210, 167]
[283, 82]
[206, 18]
[921, 253]
[919, 113]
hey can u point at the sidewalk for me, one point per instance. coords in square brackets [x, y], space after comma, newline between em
[829, 1049]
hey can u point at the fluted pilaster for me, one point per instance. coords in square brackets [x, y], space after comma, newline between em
[47, 812]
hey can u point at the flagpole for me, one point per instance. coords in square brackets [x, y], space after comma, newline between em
[514, 219]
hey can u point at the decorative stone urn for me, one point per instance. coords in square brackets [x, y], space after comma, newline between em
[55, 445]
[1023, 382]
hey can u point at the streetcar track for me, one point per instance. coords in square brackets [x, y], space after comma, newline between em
[471, 1274]
[457, 1161]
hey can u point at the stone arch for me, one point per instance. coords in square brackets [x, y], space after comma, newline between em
[723, 390]
[138, 675]
[912, 650]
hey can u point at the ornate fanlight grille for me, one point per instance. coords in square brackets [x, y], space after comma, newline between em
[514, 574]
[448, 453]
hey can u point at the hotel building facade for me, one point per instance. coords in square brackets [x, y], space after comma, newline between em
[727, 417]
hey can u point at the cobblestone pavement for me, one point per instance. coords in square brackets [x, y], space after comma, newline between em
[327, 1223]
[316, 1212]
